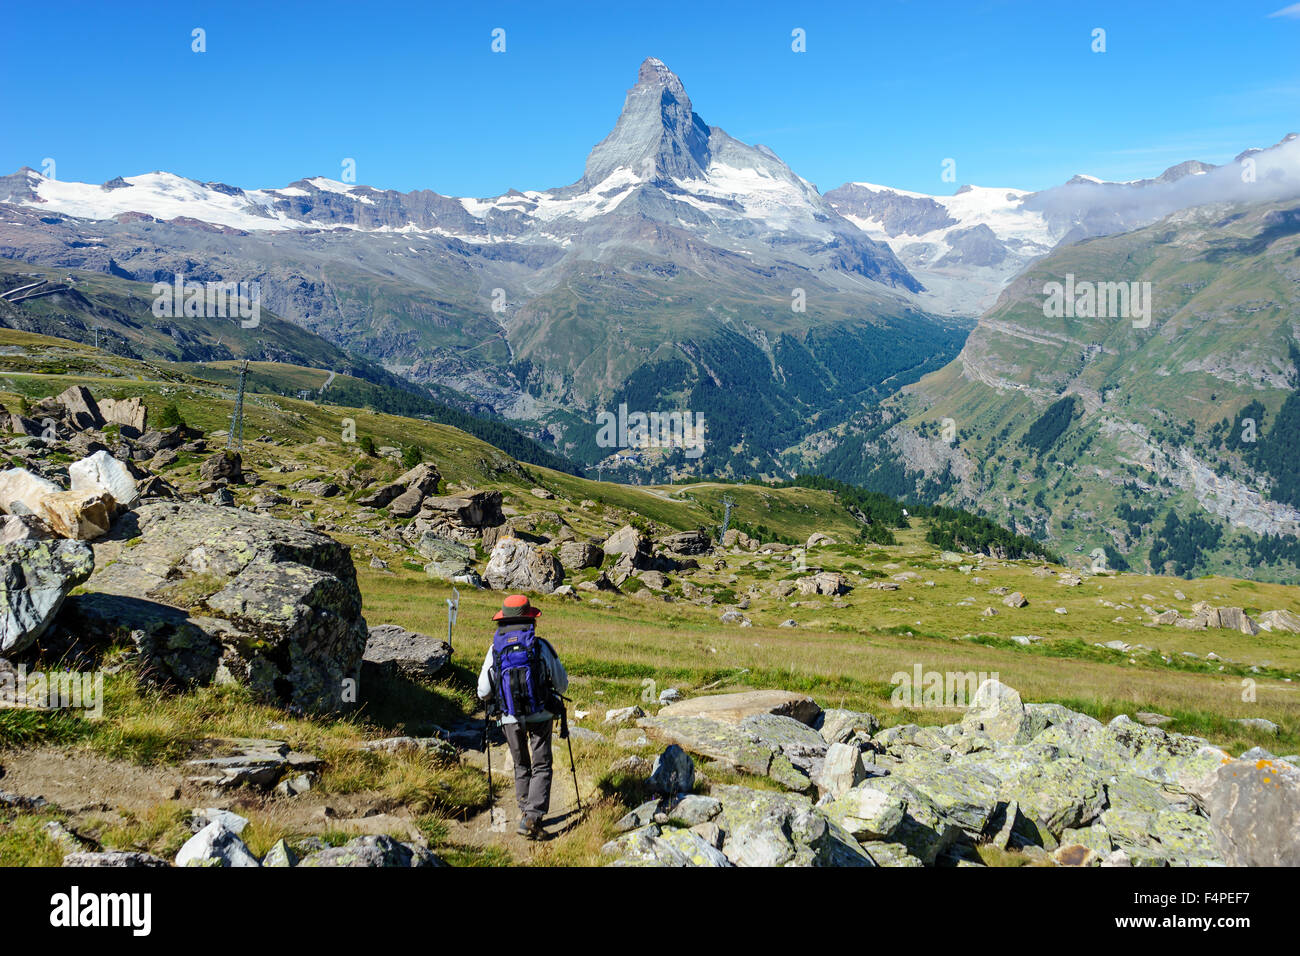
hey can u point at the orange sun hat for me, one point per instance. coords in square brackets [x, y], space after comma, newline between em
[516, 605]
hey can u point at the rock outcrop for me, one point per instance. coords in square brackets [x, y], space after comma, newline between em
[516, 565]
[1034, 778]
[261, 601]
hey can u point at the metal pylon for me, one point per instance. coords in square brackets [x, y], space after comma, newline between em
[728, 503]
[235, 437]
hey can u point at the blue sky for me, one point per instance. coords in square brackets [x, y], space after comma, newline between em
[886, 91]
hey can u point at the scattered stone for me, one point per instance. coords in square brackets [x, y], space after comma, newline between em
[394, 651]
[373, 851]
[215, 845]
[673, 772]
[113, 858]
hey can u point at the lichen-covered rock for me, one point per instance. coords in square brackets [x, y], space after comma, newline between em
[655, 846]
[740, 749]
[1147, 752]
[965, 794]
[372, 851]
[800, 744]
[280, 855]
[687, 542]
[763, 828]
[998, 711]
[282, 602]
[841, 771]
[868, 813]
[35, 578]
[23, 528]
[1254, 811]
[693, 809]
[577, 555]
[839, 726]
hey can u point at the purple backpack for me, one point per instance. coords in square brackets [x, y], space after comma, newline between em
[520, 677]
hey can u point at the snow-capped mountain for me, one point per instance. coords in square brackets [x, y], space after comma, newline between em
[966, 248]
[660, 164]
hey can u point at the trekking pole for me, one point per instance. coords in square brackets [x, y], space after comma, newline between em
[487, 749]
[564, 735]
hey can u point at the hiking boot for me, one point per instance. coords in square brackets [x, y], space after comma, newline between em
[532, 830]
[525, 829]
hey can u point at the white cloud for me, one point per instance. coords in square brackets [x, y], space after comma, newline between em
[1292, 12]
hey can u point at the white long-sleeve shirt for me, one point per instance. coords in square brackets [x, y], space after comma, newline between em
[554, 669]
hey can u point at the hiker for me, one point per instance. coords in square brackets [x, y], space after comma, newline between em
[521, 676]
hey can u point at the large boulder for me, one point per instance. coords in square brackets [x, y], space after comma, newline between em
[448, 560]
[842, 770]
[826, 582]
[35, 578]
[129, 414]
[379, 496]
[745, 749]
[733, 708]
[395, 651]
[424, 478]
[1280, 621]
[281, 601]
[21, 492]
[631, 547]
[83, 515]
[516, 565]
[80, 409]
[687, 542]
[868, 813]
[664, 847]
[102, 472]
[577, 555]
[673, 772]
[1254, 811]
[166, 439]
[407, 504]
[764, 828]
[225, 465]
[471, 509]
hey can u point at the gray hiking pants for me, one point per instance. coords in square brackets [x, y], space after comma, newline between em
[530, 749]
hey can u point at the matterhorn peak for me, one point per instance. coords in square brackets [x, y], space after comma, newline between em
[657, 136]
